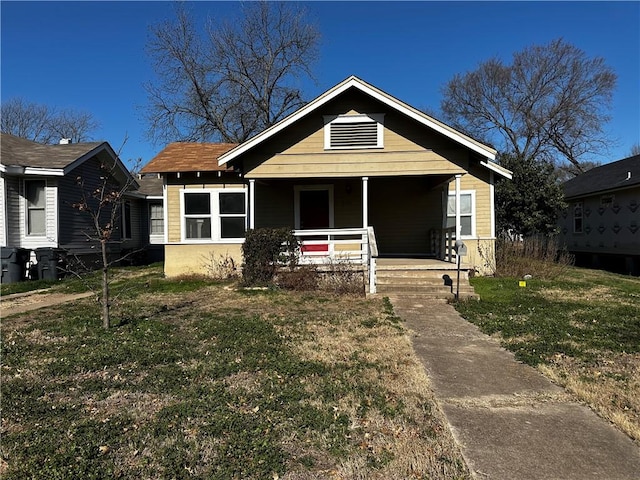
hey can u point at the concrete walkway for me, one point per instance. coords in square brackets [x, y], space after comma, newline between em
[34, 300]
[510, 422]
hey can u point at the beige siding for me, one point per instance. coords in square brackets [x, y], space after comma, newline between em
[174, 185]
[197, 259]
[371, 163]
[299, 150]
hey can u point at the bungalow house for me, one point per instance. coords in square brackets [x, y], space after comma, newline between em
[357, 173]
[601, 225]
[39, 185]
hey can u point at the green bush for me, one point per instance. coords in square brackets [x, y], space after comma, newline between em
[263, 251]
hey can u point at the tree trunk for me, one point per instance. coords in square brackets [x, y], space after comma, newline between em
[106, 320]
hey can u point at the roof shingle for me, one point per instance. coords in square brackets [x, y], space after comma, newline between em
[189, 157]
[605, 177]
[25, 153]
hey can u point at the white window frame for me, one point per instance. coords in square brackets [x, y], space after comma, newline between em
[472, 193]
[214, 215]
[28, 209]
[296, 206]
[378, 118]
[152, 218]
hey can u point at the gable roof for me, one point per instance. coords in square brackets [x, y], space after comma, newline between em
[189, 157]
[355, 82]
[22, 156]
[621, 174]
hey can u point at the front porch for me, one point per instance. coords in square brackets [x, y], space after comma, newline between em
[358, 247]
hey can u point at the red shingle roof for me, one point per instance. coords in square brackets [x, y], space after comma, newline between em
[189, 157]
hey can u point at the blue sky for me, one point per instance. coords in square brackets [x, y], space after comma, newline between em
[91, 55]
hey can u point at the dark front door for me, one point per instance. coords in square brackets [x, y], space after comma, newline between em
[314, 209]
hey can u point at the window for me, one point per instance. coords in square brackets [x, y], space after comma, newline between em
[232, 215]
[126, 220]
[156, 219]
[467, 221]
[214, 214]
[36, 206]
[197, 213]
[577, 217]
[354, 131]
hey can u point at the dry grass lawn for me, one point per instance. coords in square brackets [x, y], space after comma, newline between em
[202, 381]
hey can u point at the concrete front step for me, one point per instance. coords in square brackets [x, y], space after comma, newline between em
[427, 283]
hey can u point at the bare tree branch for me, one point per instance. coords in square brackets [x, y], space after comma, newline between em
[238, 79]
[549, 104]
[45, 124]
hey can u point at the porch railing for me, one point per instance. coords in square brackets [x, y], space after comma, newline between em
[341, 245]
[443, 242]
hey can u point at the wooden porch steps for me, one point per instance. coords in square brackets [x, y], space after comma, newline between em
[423, 278]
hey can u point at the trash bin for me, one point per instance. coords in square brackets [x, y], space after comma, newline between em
[14, 264]
[50, 263]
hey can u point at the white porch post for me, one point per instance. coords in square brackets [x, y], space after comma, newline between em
[458, 226]
[252, 204]
[365, 202]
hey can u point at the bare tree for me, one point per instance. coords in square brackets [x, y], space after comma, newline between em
[45, 124]
[635, 149]
[103, 202]
[550, 103]
[239, 79]
[26, 120]
[74, 125]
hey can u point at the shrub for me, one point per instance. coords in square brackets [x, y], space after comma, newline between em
[539, 256]
[263, 251]
[220, 267]
[302, 278]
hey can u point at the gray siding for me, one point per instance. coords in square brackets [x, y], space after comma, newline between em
[608, 227]
[76, 226]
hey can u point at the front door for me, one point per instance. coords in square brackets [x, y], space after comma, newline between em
[314, 209]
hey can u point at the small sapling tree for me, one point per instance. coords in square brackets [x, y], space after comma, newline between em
[102, 200]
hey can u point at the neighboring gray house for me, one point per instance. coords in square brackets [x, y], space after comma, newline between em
[39, 185]
[601, 225]
[152, 216]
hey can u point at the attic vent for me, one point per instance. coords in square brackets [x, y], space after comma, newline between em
[353, 131]
[356, 135]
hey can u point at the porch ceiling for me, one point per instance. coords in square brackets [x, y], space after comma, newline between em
[355, 164]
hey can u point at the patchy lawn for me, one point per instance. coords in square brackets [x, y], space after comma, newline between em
[198, 380]
[582, 330]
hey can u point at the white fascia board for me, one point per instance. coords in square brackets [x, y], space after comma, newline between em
[50, 172]
[494, 167]
[374, 93]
